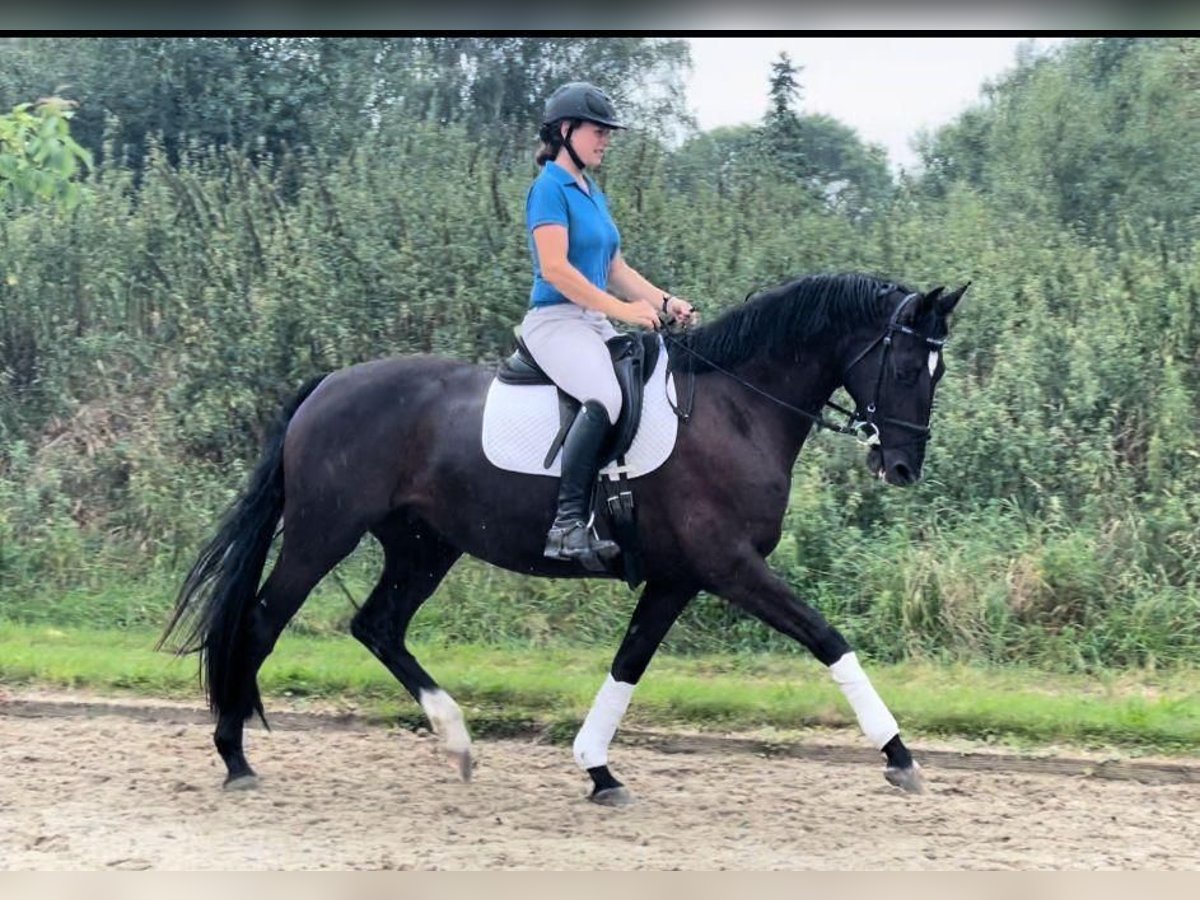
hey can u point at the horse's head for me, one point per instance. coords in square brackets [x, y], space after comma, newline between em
[892, 375]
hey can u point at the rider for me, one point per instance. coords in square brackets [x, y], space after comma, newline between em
[577, 258]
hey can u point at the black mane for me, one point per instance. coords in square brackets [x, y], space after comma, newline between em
[776, 321]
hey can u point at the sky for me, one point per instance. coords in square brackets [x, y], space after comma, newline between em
[885, 88]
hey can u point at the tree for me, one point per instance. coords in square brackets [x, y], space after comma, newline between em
[782, 133]
[721, 157]
[824, 156]
[1099, 132]
[851, 177]
[323, 94]
[38, 156]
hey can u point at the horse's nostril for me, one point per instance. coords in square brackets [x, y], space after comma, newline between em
[901, 474]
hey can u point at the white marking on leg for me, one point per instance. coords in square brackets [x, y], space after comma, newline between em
[873, 716]
[591, 744]
[446, 719]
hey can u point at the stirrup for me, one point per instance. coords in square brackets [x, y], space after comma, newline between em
[591, 552]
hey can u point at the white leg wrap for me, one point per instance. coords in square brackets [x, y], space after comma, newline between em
[873, 716]
[446, 719]
[591, 744]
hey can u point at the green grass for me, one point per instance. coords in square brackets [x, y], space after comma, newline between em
[509, 690]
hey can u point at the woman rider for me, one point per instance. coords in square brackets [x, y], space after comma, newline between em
[577, 261]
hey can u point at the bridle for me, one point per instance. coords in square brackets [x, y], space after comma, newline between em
[866, 427]
[862, 424]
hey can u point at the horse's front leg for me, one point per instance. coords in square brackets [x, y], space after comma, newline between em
[747, 582]
[656, 611]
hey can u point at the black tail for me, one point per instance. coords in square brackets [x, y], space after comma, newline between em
[223, 583]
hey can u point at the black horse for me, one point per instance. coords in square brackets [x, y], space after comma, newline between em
[392, 447]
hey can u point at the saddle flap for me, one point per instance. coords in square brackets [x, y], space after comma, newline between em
[632, 369]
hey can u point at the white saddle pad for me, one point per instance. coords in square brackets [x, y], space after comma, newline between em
[521, 421]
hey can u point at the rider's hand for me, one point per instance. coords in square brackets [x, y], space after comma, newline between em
[639, 312]
[681, 311]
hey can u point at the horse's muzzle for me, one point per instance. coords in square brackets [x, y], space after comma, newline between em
[898, 471]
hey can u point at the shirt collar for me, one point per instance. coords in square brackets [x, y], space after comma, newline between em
[562, 176]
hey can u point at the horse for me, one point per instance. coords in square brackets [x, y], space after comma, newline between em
[391, 447]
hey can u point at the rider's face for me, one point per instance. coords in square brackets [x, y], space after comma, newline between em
[590, 141]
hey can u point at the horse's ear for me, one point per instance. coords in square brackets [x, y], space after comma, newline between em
[925, 303]
[946, 304]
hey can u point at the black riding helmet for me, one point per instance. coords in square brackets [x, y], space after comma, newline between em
[579, 101]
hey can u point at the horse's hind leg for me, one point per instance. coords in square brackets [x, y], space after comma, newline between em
[656, 611]
[296, 573]
[415, 561]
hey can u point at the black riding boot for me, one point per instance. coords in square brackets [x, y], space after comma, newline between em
[570, 536]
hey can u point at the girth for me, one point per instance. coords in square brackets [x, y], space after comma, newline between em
[634, 357]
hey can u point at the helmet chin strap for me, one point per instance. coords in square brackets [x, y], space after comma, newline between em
[571, 150]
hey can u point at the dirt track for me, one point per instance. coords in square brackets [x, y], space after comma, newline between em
[88, 786]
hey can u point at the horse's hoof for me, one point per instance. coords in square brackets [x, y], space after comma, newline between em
[615, 797]
[241, 783]
[461, 760]
[910, 780]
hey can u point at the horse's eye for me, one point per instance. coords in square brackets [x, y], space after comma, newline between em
[908, 375]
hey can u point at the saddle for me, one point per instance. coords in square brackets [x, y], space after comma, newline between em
[634, 358]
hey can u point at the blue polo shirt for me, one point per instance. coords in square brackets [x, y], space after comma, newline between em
[592, 237]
